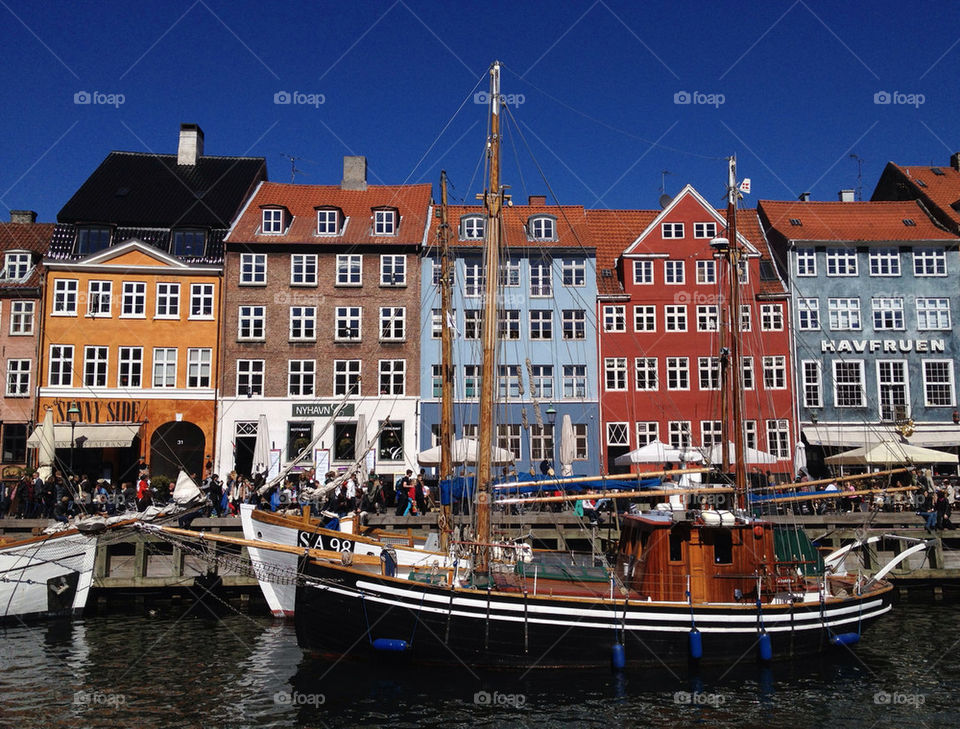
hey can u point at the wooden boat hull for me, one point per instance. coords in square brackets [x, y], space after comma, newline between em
[344, 611]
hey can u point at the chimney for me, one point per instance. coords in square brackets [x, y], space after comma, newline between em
[23, 216]
[846, 196]
[354, 173]
[190, 149]
[955, 160]
[804, 197]
[537, 200]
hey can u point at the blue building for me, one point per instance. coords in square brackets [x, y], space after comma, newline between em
[873, 288]
[547, 360]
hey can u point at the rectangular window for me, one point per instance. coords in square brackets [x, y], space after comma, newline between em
[510, 272]
[436, 323]
[15, 443]
[747, 378]
[188, 243]
[938, 383]
[99, 294]
[675, 318]
[509, 380]
[130, 367]
[303, 269]
[251, 323]
[541, 381]
[771, 318]
[61, 365]
[778, 438]
[581, 442]
[201, 301]
[812, 391]
[647, 432]
[708, 370]
[708, 318]
[473, 324]
[806, 262]
[299, 436]
[704, 230]
[746, 320]
[541, 324]
[884, 262]
[671, 230]
[95, 366]
[134, 299]
[509, 438]
[775, 372]
[168, 301]
[892, 389]
[615, 373]
[18, 378]
[808, 314]
[932, 314]
[543, 228]
[272, 221]
[573, 272]
[250, 377]
[471, 381]
[199, 362]
[16, 266]
[384, 222]
[645, 373]
[65, 297]
[392, 376]
[929, 262]
[710, 433]
[90, 240]
[253, 269]
[706, 272]
[679, 433]
[346, 377]
[644, 318]
[618, 434]
[471, 227]
[841, 261]
[574, 381]
[844, 314]
[328, 222]
[390, 445]
[349, 269]
[678, 373]
[574, 324]
[474, 279]
[750, 433]
[887, 313]
[615, 318]
[347, 323]
[642, 273]
[541, 442]
[21, 318]
[848, 386]
[393, 270]
[165, 367]
[345, 441]
[303, 323]
[509, 324]
[541, 280]
[436, 380]
[673, 272]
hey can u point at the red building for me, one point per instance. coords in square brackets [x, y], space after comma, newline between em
[661, 300]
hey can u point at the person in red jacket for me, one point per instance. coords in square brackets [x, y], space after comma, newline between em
[143, 492]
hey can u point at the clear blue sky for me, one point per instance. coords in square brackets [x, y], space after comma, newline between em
[597, 80]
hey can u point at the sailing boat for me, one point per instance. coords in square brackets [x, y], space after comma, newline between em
[683, 585]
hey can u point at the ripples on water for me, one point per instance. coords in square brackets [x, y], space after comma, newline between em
[242, 671]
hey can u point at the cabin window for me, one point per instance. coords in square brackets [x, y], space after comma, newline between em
[723, 547]
[676, 546]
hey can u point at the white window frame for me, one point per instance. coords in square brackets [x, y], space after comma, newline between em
[271, 221]
[385, 222]
[18, 378]
[202, 294]
[392, 377]
[886, 311]
[806, 259]
[304, 269]
[675, 318]
[747, 374]
[99, 298]
[618, 434]
[573, 381]
[170, 294]
[542, 227]
[643, 272]
[199, 366]
[929, 262]
[16, 265]
[811, 373]
[927, 383]
[252, 373]
[574, 322]
[615, 374]
[347, 376]
[130, 365]
[708, 373]
[671, 230]
[708, 318]
[253, 269]
[541, 381]
[134, 297]
[472, 227]
[706, 272]
[248, 317]
[393, 323]
[614, 318]
[65, 296]
[778, 438]
[841, 310]
[349, 271]
[541, 279]
[22, 316]
[894, 367]
[678, 373]
[541, 324]
[646, 374]
[161, 367]
[327, 218]
[774, 370]
[344, 317]
[842, 262]
[884, 262]
[930, 307]
[674, 272]
[644, 318]
[303, 324]
[304, 371]
[858, 364]
[393, 270]
[573, 272]
[679, 433]
[705, 230]
[99, 357]
[808, 314]
[60, 372]
[647, 432]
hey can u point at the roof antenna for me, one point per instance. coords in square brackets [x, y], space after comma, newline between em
[293, 167]
[859, 175]
[664, 197]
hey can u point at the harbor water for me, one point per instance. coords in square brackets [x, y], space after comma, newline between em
[195, 668]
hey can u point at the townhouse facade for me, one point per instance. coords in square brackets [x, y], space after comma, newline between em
[547, 357]
[661, 307]
[23, 244]
[322, 310]
[874, 288]
[131, 309]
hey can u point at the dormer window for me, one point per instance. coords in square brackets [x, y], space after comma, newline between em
[471, 227]
[328, 221]
[188, 243]
[274, 221]
[542, 227]
[16, 266]
[385, 222]
[91, 239]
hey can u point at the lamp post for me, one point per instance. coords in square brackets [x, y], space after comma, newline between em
[73, 414]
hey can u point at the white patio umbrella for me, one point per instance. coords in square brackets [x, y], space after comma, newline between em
[464, 451]
[751, 455]
[799, 458]
[47, 451]
[890, 453]
[568, 446]
[261, 447]
[658, 452]
[186, 489]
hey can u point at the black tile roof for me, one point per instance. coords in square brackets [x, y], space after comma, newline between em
[61, 244]
[139, 190]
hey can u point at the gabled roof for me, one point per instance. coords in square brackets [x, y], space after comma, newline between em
[151, 190]
[147, 257]
[613, 231]
[852, 221]
[572, 230]
[32, 237]
[302, 201]
[937, 187]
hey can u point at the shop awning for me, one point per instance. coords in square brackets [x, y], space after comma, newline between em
[94, 435]
[856, 436]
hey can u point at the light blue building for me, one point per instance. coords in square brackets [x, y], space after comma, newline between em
[547, 362]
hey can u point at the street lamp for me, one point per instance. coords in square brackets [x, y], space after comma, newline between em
[73, 415]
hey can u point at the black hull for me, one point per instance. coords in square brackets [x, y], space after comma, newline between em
[346, 613]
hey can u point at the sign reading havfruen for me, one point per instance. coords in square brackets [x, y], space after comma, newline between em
[882, 345]
[320, 409]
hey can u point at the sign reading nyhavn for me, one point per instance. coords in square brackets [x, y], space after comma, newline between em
[320, 409]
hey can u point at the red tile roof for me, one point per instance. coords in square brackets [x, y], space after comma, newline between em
[943, 190]
[412, 202]
[572, 229]
[34, 237]
[852, 221]
[614, 231]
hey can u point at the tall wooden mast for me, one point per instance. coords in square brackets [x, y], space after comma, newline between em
[446, 360]
[493, 202]
[736, 372]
